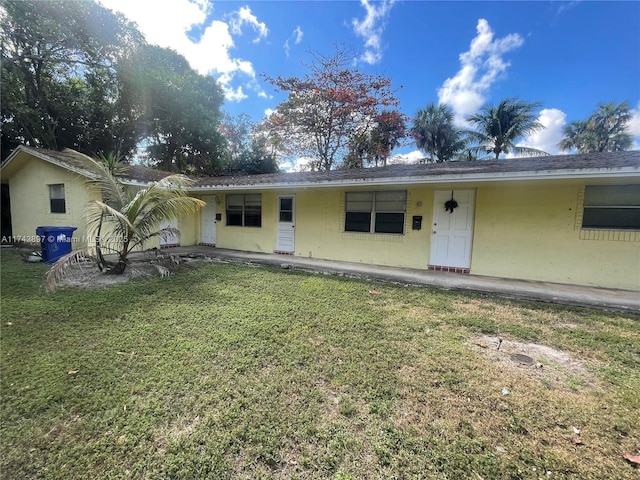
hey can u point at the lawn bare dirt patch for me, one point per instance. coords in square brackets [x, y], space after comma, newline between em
[88, 276]
[549, 365]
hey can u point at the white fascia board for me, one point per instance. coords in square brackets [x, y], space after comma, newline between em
[430, 180]
[134, 183]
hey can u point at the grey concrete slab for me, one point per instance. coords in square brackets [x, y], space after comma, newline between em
[576, 295]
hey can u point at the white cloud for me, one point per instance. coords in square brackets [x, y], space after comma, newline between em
[548, 138]
[371, 28]
[565, 7]
[480, 67]
[234, 94]
[299, 164]
[166, 24]
[245, 17]
[406, 158]
[268, 112]
[633, 127]
[296, 36]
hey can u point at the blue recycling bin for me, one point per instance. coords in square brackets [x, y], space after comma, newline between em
[55, 242]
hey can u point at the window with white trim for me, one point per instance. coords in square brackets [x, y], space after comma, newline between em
[375, 212]
[611, 207]
[244, 210]
[57, 202]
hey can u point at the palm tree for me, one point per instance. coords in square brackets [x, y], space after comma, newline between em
[605, 130]
[499, 128]
[130, 216]
[435, 134]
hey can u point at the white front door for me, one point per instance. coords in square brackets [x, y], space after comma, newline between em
[452, 230]
[208, 221]
[170, 240]
[285, 231]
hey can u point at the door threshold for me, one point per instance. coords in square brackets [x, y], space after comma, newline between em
[439, 268]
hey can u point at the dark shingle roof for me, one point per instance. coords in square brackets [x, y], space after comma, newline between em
[604, 161]
[591, 164]
[77, 161]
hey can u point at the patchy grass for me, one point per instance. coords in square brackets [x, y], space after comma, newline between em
[227, 371]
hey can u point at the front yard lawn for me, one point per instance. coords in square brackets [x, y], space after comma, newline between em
[228, 371]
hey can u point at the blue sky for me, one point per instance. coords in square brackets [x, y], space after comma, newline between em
[569, 56]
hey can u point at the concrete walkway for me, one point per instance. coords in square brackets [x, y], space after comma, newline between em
[610, 299]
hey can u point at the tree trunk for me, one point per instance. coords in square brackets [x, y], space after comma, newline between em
[119, 267]
[101, 262]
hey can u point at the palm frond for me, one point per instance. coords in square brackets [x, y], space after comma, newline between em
[104, 180]
[528, 151]
[59, 270]
[168, 209]
[498, 127]
[97, 211]
[164, 234]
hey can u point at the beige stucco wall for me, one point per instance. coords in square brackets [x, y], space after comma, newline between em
[189, 229]
[534, 232]
[525, 230]
[320, 232]
[319, 224]
[30, 206]
[252, 239]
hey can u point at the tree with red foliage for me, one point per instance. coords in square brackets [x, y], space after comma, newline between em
[330, 105]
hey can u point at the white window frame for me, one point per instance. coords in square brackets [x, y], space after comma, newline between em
[243, 208]
[621, 202]
[375, 209]
[55, 195]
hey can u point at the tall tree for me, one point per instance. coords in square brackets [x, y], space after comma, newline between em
[435, 133]
[179, 110]
[605, 130]
[325, 107]
[256, 159]
[372, 143]
[248, 151]
[497, 129]
[389, 129]
[236, 129]
[77, 75]
[58, 82]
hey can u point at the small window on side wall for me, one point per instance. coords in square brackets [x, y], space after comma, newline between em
[56, 198]
[612, 207]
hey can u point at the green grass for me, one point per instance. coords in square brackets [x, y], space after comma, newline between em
[226, 371]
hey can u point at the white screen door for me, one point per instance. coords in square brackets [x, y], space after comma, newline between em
[172, 239]
[285, 232]
[208, 221]
[452, 231]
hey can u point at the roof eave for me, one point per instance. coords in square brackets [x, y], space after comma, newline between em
[34, 152]
[431, 179]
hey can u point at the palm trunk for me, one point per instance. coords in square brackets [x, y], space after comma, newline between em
[101, 262]
[120, 267]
